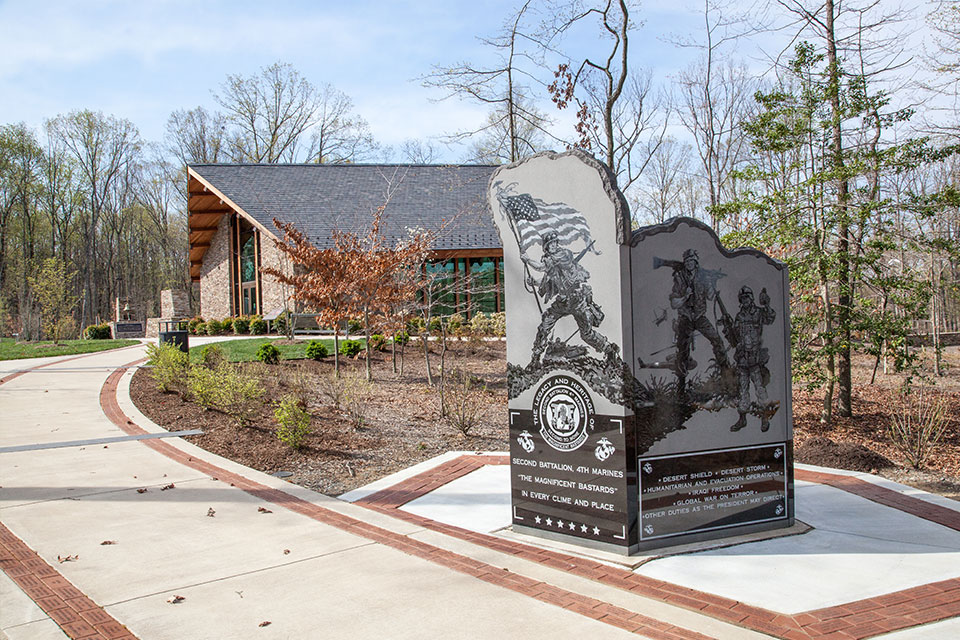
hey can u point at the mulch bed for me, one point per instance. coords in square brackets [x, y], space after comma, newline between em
[402, 424]
[401, 417]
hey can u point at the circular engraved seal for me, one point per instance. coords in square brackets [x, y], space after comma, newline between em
[563, 410]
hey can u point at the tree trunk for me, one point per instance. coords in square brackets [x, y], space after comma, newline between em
[366, 335]
[826, 411]
[845, 293]
[425, 336]
[336, 349]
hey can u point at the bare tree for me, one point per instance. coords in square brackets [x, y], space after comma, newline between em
[502, 88]
[497, 143]
[419, 151]
[715, 98]
[338, 135]
[196, 135]
[270, 112]
[618, 113]
[662, 188]
[944, 61]
[103, 147]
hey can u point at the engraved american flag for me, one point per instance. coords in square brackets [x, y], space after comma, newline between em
[534, 217]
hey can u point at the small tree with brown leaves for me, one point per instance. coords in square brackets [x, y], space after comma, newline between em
[321, 279]
[383, 275]
[362, 273]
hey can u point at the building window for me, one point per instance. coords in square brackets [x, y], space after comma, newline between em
[245, 271]
[483, 285]
[466, 286]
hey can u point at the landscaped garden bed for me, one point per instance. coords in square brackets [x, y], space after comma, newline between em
[359, 431]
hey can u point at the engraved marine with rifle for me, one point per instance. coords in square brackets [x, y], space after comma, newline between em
[564, 281]
[750, 356]
[692, 288]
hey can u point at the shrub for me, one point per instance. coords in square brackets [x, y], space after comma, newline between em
[258, 326]
[455, 323]
[356, 398]
[193, 324]
[415, 325]
[211, 356]
[481, 324]
[463, 401]
[294, 422]
[918, 423]
[214, 327]
[350, 348]
[228, 389]
[435, 325]
[268, 354]
[332, 388]
[402, 337]
[241, 325]
[280, 323]
[170, 367]
[201, 329]
[97, 332]
[316, 350]
[377, 342]
[354, 326]
[499, 321]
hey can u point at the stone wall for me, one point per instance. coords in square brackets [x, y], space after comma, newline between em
[272, 292]
[215, 275]
[174, 303]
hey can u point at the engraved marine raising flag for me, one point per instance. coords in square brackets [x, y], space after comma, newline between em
[533, 217]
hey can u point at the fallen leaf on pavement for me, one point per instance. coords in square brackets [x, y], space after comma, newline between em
[211, 513]
[265, 623]
[286, 552]
[67, 558]
[169, 486]
[263, 510]
[106, 542]
[176, 599]
[141, 490]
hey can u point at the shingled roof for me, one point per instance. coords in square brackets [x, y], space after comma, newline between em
[318, 198]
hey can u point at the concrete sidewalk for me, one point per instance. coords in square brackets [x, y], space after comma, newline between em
[423, 554]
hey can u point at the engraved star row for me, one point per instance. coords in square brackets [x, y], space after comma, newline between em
[571, 525]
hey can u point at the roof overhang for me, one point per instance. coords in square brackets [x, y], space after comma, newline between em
[206, 205]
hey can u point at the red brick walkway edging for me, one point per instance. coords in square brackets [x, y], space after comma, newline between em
[78, 616]
[860, 619]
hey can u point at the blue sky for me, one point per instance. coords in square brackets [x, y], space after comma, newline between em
[141, 60]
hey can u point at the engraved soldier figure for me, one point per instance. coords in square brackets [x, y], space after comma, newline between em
[565, 282]
[750, 356]
[689, 297]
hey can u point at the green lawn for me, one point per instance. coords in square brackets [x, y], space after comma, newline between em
[13, 350]
[246, 350]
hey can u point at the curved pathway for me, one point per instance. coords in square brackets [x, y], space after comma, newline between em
[160, 539]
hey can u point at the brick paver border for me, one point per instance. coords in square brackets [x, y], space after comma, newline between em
[79, 616]
[860, 619]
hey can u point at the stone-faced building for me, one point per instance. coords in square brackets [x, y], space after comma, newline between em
[232, 234]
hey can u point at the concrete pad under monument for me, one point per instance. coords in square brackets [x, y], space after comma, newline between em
[648, 372]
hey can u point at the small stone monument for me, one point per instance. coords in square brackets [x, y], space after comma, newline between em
[649, 398]
[125, 324]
